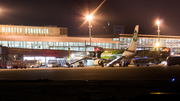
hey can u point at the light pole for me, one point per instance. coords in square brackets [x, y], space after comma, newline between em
[89, 17]
[158, 44]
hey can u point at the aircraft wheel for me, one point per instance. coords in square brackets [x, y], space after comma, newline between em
[169, 64]
[123, 64]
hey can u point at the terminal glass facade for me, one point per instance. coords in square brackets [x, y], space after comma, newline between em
[74, 46]
[150, 43]
[142, 42]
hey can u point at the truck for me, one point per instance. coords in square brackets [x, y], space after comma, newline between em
[16, 64]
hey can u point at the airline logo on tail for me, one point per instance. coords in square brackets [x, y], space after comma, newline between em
[135, 37]
[133, 45]
[135, 34]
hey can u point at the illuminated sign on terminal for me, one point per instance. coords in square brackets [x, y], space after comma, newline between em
[27, 30]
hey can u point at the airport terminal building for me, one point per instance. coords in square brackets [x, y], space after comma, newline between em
[56, 38]
[35, 37]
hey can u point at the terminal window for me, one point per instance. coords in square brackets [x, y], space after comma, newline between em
[115, 39]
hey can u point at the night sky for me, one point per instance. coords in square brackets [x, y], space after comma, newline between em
[70, 13]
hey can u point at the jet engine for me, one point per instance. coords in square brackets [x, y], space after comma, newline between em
[98, 62]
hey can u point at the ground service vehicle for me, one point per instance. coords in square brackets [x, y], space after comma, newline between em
[142, 61]
[32, 63]
[18, 64]
[173, 60]
[56, 63]
[78, 64]
[8, 63]
[81, 64]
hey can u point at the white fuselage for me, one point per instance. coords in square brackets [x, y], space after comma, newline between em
[128, 54]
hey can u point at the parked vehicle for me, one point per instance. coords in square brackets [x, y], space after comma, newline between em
[142, 61]
[32, 63]
[173, 60]
[56, 63]
[8, 65]
[18, 64]
[81, 64]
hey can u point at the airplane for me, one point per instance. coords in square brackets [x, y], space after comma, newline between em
[119, 56]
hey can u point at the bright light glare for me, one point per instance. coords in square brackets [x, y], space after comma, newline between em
[89, 17]
[158, 22]
[157, 44]
[72, 55]
[145, 57]
[173, 80]
[172, 53]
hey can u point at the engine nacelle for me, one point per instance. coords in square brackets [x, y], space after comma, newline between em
[98, 62]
